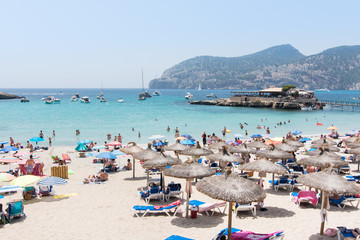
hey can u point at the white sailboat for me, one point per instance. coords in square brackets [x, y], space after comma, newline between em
[199, 87]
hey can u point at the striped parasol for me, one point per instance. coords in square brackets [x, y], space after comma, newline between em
[50, 181]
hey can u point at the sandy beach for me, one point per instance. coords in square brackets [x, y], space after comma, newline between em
[104, 211]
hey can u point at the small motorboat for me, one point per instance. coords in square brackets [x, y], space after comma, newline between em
[52, 100]
[356, 98]
[85, 99]
[120, 100]
[211, 95]
[102, 99]
[141, 97]
[189, 96]
[24, 99]
[156, 93]
[100, 95]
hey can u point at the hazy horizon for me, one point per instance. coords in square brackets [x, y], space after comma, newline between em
[79, 44]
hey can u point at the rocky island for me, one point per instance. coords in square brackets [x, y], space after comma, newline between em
[287, 97]
[8, 96]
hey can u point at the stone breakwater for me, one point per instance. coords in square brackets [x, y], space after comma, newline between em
[8, 96]
[258, 103]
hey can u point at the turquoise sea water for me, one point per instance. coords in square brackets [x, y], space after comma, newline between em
[23, 121]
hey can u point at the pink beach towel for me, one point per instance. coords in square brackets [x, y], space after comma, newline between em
[247, 235]
[310, 195]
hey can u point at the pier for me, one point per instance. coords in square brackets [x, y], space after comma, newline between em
[340, 104]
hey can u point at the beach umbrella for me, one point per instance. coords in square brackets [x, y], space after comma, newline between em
[218, 145]
[189, 170]
[85, 141]
[275, 154]
[114, 143]
[296, 132]
[51, 181]
[23, 181]
[176, 147]
[9, 160]
[232, 188]
[329, 183]
[286, 147]
[323, 159]
[106, 155]
[352, 139]
[238, 135]
[187, 136]
[304, 139]
[187, 142]
[117, 153]
[196, 151]
[353, 144]
[9, 189]
[322, 141]
[6, 177]
[232, 142]
[294, 143]
[131, 149]
[241, 148]
[332, 128]
[81, 147]
[180, 138]
[257, 144]
[9, 149]
[144, 155]
[328, 147]
[268, 136]
[3, 142]
[36, 139]
[20, 154]
[357, 152]
[157, 137]
[158, 144]
[256, 136]
[161, 162]
[224, 156]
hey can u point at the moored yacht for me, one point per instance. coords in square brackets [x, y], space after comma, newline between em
[102, 99]
[189, 96]
[74, 98]
[120, 100]
[156, 93]
[100, 95]
[24, 99]
[85, 99]
[211, 95]
[51, 100]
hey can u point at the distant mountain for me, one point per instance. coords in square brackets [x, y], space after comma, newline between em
[335, 68]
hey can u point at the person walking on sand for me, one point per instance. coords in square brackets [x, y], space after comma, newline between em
[204, 138]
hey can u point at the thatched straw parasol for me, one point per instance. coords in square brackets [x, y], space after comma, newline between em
[231, 187]
[286, 147]
[318, 151]
[224, 156]
[161, 162]
[352, 139]
[328, 182]
[275, 154]
[218, 145]
[145, 155]
[189, 170]
[132, 150]
[257, 144]
[176, 147]
[329, 148]
[353, 145]
[357, 152]
[322, 141]
[294, 143]
[322, 160]
[242, 148]
[196, 151]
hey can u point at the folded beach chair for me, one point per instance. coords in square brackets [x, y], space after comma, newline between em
[237, 234]
[344, 233]
[66, 158]
[176, 237]
[304, 196]
[44, 191]
[281, 182]
[153, 193]
[157, 209]
[15, 209]
[174, 189]
[208, 208]
[343, 200]
[245, 207]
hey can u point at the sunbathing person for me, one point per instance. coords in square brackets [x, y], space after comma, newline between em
[128, 166]
[103, 176]
[111, 165]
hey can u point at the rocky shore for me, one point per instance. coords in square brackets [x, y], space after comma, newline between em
[8, 96]
[257, 103]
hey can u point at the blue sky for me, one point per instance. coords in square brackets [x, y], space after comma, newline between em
[79, 43]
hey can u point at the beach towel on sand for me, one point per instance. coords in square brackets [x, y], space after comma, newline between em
[247, 235]
[310, 195]
[65, 195]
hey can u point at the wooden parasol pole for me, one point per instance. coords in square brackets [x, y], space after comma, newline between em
[133, 167]
[230, 220]
[324, 207]
[187, 197]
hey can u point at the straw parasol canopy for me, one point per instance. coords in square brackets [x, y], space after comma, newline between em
[257, 144]
[242, 148]
[161, 161]
[357, 152]
[322, 141]
[286, 147]
[146, 154]
[231, 187]
[322, 160]
[189, 170]
[328, 182]
[263, 165]
[294, 143]
[131, 149]
[326, 146]
[218, 145]
[275, 154]
[224, 156]
[353, 145]
[352, 140]
[196, 151]
[176, 147]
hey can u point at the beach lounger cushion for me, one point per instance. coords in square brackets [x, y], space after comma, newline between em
[138, 209]
[304, 196]
[208, 208]
[237, 234]
[176, 237]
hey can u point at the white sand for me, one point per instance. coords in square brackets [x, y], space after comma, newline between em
[104, 211]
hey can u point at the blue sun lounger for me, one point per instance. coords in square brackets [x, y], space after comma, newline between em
[138, 209]
[176, 237]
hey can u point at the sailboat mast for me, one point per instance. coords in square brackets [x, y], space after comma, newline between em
[142, 78]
